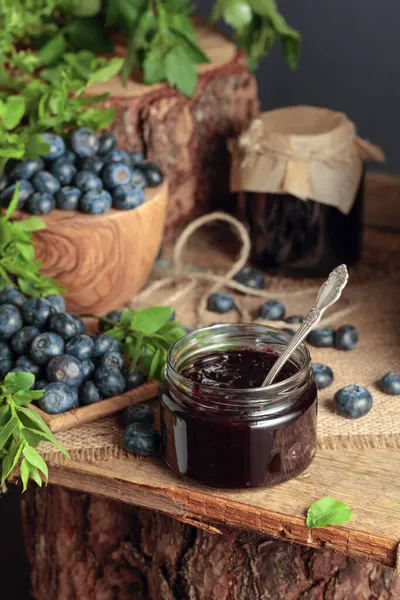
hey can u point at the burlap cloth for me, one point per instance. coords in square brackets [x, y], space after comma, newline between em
[374, 291]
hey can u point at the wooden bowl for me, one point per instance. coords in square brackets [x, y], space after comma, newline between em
[103, 260]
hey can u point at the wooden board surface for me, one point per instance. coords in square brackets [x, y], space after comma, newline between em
[366, 480]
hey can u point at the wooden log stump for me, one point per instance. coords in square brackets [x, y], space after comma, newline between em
[188, 135]
[83, 547]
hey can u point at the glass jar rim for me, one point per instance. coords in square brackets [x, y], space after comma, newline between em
[275, 388]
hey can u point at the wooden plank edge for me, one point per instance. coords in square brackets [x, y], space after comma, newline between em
[199, 507]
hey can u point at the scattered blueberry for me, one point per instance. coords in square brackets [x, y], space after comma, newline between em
[390, 383]
[138, 180]
[294, 319]
[26, 168]
[353, 401]
[112, 359]
[10, 321]
[64, 170]
[114, 316]
[109, 381]
[36, 311]
[44, 181]
[21, 341]
[323, 375]
[153, 174]
[107, 142]
[27, 363]
[252, 278]
[65, 369]
[68, 198]
[57, 302]
[322, 337]
[220, 302]
[127, 197]
[84, 142]
[45, 346]
[116, 174]
[346, 337]
[87, 181]
[103, 343]
[137, 157]
[133, 379]
[64, 324]
[81, 347]
[95, 203]
[288, 330]
[56, 143]
[136, 413]
[94, 164]
[25, 190]
[57, 398]
[6, 366]
[87, 369]
[40, 203]
[10, 295]
[117, 156]
[142, 440]
[272, 310]
[89, 393]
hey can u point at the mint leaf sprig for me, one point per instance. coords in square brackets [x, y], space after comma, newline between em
[17, 255]
[147, 336]
[327, 511]
[21, 430]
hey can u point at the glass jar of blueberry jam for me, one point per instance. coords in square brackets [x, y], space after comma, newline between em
[218, 426]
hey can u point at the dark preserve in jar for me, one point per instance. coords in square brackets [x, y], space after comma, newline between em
[219, 427]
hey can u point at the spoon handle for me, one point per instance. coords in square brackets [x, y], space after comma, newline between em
[328, 294]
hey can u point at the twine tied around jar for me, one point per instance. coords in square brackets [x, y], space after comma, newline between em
[184, 280]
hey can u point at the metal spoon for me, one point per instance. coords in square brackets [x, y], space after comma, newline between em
[328, 294]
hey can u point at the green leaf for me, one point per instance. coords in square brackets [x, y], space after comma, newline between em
[136, 352]
[5, 414]
[180, 71]
[36, 146]
[7, 430]
[154, 364]
[10, 461]
[24, 472]
[192, 49]
[86, 8]
[25, 397]
[153, 69]
[35, 475]
[15, 111]
[97, 118]
[26, 250]
[15, 382]
[34, 458]
[327, 511]
[88, 34]
[30, 224]
[150, 320]
[291, 50]
[31, 419]
[110, 70]
[5, 235]
[34, 437]
[13, 204]
[237, 13]
[126, 316]
[53, 50]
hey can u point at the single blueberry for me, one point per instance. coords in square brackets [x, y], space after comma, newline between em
[94, 164]
[116, 346]
[21, 341]
[220, 302]
[44, 181]
[26, 168]
[57, 398]
[111, 359]
[64, 170]
[36, 311]
[109, 381]
[10, 295]
[87, 181]
[272, 310]
[81, 346]
[5, 351]
[294, 319]
[152, 173]
[102, 344]
[45, 346]
[10, 321]
[6, 366]
[84, 142]
[75, 393]
[137, 157]
[390, 383]
[95, 203]
[138, 180]
[116, 174]
[252, 278]
[323, 375]
[107, 142]
[56, 143]
[87, 369]
[141, 439]
[26, 362]
[322, 337]
[89, 393]
[65, 369]
[69, 156]
[126, 197]
[114, 316]
[79, 324]
[117, 156]
[25, 190]
[57, 302]
[68, 198]
[41, 384]
[133, 379]
[136, 413]
[346, 337]
[63, 324]
[353, 401]
[40, 203]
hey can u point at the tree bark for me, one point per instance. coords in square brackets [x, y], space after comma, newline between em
[84, 547]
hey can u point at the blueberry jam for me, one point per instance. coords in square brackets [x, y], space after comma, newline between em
[220, 429]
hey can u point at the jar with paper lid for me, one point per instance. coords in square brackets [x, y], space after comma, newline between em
[298, 178]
